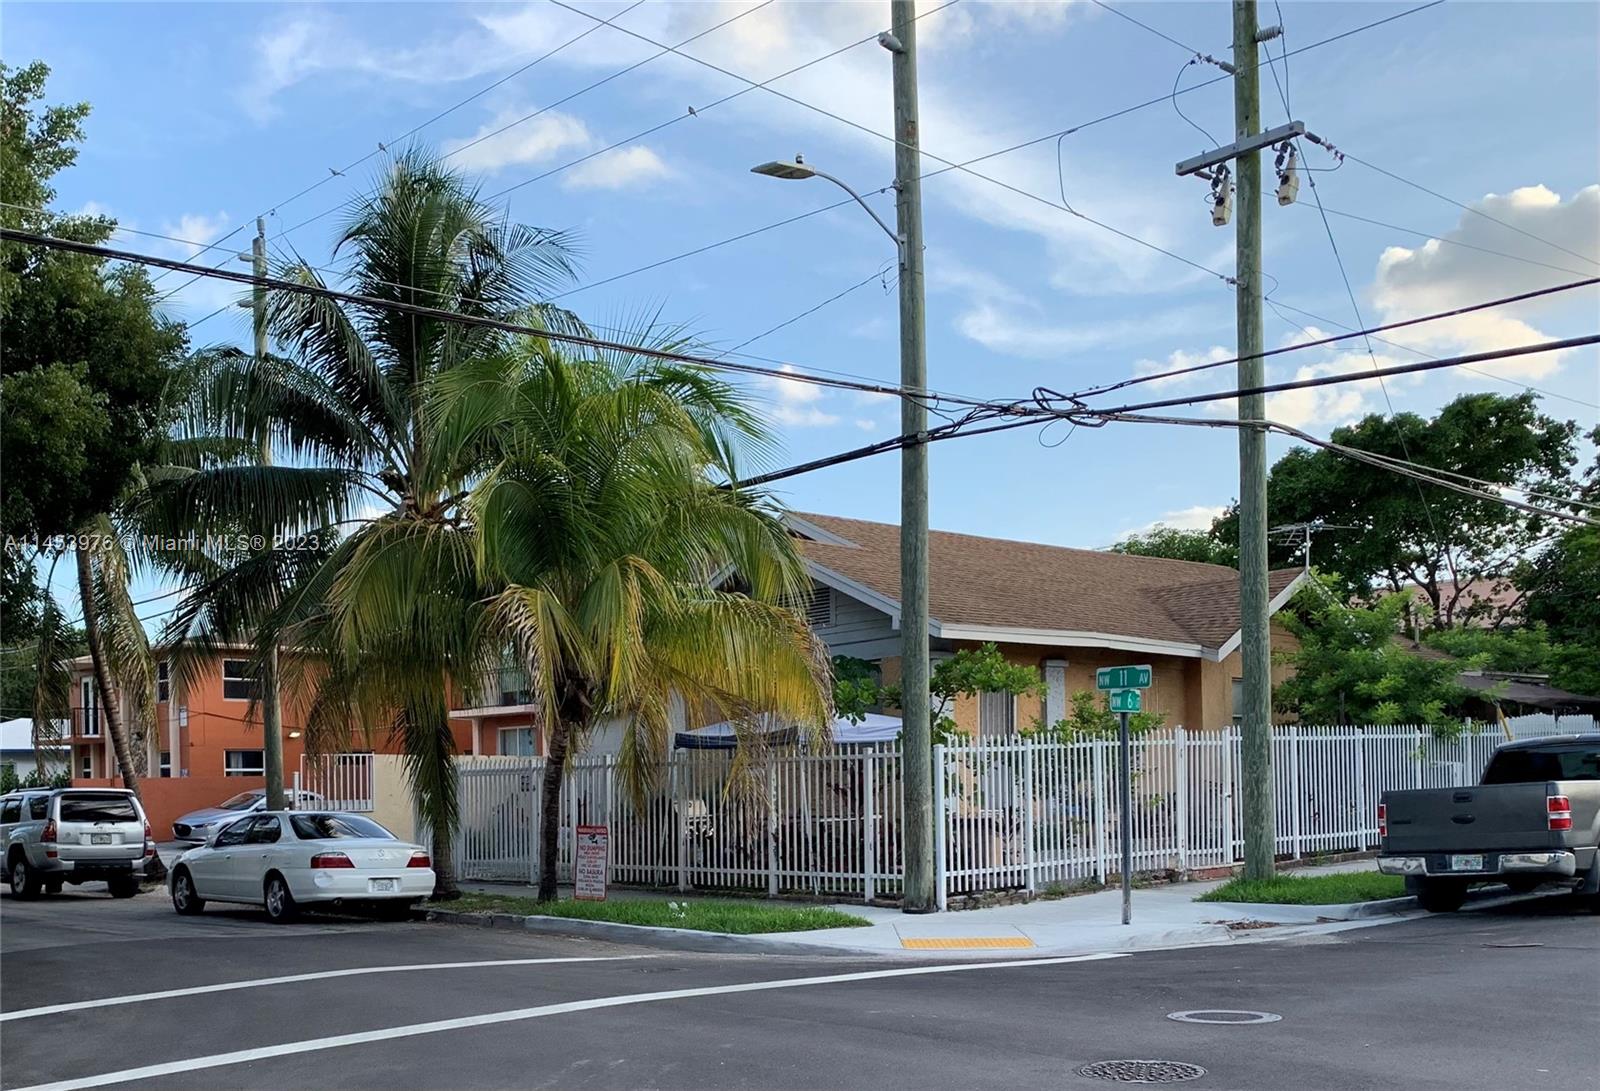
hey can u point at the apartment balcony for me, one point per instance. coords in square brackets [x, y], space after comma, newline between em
[498, 692]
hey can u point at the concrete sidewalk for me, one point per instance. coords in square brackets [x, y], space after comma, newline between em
[1163, 916]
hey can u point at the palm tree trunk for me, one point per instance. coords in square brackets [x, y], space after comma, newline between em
[550, 809]
[444, 860]
[272, 730]
[102, 682]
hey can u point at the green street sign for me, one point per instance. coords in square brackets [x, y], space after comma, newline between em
[1122, 678]
[1125, 700]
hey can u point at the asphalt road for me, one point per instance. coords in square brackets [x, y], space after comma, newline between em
[1507, 998]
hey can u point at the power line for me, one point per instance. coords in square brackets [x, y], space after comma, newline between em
[1333, 380]
[1366, 332]
[1475, 211]
[893, 443]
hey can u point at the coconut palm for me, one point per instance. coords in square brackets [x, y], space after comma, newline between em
[614, 569]
[366, 489]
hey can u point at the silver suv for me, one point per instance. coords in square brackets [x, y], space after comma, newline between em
[74, 835]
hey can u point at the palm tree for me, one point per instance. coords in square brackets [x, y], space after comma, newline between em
[616, 571]
[369, 492]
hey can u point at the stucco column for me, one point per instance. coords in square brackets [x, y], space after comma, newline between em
[477, 731]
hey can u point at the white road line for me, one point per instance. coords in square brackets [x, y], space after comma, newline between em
[256, 983]
[312, 1045]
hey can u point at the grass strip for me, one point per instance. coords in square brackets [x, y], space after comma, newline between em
[698, 915]
[1339, 888]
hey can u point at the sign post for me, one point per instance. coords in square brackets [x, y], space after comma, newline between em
[1124, 684]
[589, 861]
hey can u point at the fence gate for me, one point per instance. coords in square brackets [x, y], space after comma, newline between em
[344, 781]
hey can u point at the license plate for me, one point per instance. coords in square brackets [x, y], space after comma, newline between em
[383, 886]
[99, 839]
[1466, 863]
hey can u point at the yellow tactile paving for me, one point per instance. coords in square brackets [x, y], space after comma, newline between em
[949, 942]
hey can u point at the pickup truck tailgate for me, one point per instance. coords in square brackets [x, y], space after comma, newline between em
[1473, 818]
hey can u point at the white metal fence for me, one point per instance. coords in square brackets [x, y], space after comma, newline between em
[1011, 815]
[344, 781]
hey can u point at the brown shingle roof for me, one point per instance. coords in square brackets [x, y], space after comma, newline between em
[992, 581]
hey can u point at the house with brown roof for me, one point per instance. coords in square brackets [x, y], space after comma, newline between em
[1064, 611]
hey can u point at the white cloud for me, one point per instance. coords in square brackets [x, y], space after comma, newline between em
[1180, 360]
[490, 149]
[198, 228]
[93, 208]
[1440, 276]
[619, 169]
[798, 403]
[866, 425]
[1198, 517]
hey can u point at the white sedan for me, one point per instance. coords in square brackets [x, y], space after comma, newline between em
[286, 859]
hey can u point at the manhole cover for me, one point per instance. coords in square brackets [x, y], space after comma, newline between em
[1142, 1071]
[1223, 1015]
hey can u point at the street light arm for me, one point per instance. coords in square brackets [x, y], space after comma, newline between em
[887, 230]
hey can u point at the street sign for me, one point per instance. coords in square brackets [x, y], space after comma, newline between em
[1122, 678]
[589, 864]
[1125, 700]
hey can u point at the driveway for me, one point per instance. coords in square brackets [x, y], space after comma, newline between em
[1496, 998]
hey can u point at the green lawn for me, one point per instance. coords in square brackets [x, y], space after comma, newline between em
[737, 917]
[1336, 889]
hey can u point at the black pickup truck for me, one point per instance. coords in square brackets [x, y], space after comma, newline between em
[1533, 818]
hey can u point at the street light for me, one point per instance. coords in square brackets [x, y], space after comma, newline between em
[920, 886]
[799, 169]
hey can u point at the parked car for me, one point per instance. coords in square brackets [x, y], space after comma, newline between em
[287, 859]
[74, 835]
[1534, 817]
[194, 827]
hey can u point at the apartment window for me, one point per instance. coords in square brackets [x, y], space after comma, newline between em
[91, 708]
[163, 680]
[517, 742]
[997, 713]
[86, 765]
[166, 763]
[243, 763]
[238, 684]
[1238, 701]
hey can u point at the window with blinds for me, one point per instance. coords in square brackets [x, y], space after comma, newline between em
[997, 713]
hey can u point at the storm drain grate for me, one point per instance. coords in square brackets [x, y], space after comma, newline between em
[1142, 1071]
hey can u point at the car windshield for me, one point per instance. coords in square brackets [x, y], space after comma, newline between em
[1534, 765]
[240, 802]
[106, 808]
[322, 827]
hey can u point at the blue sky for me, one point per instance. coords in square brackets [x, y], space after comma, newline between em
[208, 114]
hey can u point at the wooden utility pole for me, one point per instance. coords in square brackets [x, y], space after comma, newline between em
[267, 683]
[1255, 640]
[916, 723]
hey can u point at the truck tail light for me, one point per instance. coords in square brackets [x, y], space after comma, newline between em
[1383, 820]
[147, 836]
[48, 834]
[419, 859]
[1560, 812]
[331, 860]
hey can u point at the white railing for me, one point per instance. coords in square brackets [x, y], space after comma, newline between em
[344, 781]
[1012, 815]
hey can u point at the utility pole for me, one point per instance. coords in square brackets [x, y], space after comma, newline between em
[267, 683]
[1255, 638]
[916, 724]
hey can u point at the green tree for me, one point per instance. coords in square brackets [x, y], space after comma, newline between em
[967, 673]
[597, 528]
[1089, 716]
[369, 496]
[1439, 540]
[1349, 669]
[1180, 545]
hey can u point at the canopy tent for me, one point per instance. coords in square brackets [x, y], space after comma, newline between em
[873, 728]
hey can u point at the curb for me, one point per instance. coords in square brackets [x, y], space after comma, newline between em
[671, 939]
[1349, 911]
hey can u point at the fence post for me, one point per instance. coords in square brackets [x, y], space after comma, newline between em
[296, 796]
[1227, 795]
[1363, 809]
[536, 794]
[1296, 801]
[772, 829]
[1099, 810]
[940, 833]
[1180, 745]
[1416, 760]
[682, 838]
[1028, 855]
[868, 823]
[570, 783]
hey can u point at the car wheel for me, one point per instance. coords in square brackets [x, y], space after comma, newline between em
[1442, 896]
[280, 903]
[24, 882]
[123, 886]
[184, 898]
